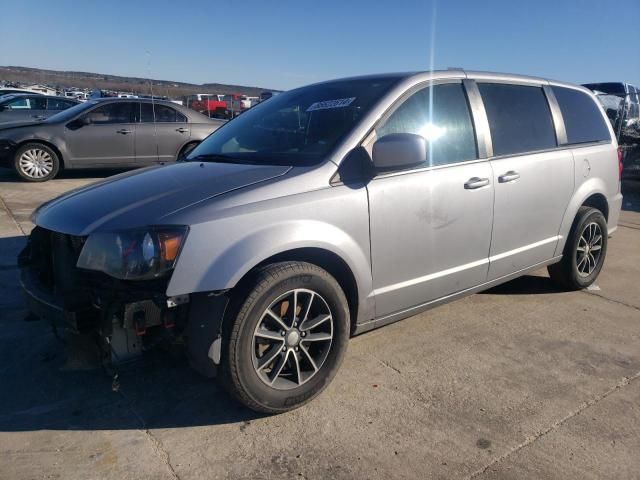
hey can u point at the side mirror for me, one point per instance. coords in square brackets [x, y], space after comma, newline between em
[78, 123]
[397, 151]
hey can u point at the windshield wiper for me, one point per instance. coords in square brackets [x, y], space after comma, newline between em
[218, 158]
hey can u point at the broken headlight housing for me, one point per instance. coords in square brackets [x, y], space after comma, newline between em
[139, 254]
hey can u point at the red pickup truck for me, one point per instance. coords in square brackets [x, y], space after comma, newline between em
[210, 105]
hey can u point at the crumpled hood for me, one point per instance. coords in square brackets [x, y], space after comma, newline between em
[145, 197]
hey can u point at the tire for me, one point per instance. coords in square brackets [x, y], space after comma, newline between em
[267, 370]
[584, 252]
[36, 162]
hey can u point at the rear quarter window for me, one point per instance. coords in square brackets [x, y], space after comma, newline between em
[583, 120]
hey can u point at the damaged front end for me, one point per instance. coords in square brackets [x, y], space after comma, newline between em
[126, 316]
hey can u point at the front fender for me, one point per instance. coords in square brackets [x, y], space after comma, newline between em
[205, 266]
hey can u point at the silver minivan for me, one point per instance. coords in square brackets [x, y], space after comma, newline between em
[328, 211]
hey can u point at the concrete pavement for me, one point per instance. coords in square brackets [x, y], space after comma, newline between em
[522, 381]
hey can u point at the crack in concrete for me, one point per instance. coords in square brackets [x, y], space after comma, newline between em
[156, 444]
[629, 225]
[412, 390]
[588, 292]
[388, 365]
[6, 208]
[554, 426]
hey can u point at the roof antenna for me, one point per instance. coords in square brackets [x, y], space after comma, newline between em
[153, 102]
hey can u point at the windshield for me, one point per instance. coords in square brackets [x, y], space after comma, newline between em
[299, 127]
[70, 113]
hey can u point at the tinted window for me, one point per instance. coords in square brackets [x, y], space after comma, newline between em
[146, 113]
[26, 103]
[582, 118]
[164, 114]
[519, 118]
[118, 112]
[19, 103]
[446, 126]
[58, 104]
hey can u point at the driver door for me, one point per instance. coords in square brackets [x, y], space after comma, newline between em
[431, 226]
[106, 139]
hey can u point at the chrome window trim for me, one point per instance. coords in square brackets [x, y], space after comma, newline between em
[479, 119]
[427, 168]
[556, 115]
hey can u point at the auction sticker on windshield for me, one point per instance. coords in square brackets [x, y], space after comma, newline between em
[338, 103]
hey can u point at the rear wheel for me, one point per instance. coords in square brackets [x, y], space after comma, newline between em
[584, 252]
[288, 338]
[36, 162]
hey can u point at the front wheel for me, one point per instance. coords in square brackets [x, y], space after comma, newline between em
[288, 338]
[36, 162]
[584, 252]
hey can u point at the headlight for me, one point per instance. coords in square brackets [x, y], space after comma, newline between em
[139, 254]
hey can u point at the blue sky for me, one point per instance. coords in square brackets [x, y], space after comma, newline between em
[283, 44]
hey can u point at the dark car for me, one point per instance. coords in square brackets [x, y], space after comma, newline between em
[116, 132]
[31, 106]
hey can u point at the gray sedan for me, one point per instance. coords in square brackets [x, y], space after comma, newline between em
[105, 133]
[32, 106]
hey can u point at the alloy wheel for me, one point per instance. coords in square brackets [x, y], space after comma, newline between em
[36, 163]
[589, 249]
[292, 339]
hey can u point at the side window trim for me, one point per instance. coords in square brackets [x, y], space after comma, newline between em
[479, 119]
[556, 114]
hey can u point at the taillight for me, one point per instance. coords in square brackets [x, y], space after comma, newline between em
[620, 165]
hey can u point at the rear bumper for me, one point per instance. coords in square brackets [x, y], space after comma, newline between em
[615, 205]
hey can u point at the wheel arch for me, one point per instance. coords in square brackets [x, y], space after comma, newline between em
[184, 147]
[599, 202]
[592, 194]
[325, 259]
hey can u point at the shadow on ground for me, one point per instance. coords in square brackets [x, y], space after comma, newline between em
[525, 285]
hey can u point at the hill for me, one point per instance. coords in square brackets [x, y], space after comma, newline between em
[66, 79]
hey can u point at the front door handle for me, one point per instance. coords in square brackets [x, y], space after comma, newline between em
[510, 176]
[476, 182]
[123, 131]
[182, 130]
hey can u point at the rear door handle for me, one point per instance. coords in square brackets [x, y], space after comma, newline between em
[123, 131]
[510, 176]
[182, 130]
[476, 182]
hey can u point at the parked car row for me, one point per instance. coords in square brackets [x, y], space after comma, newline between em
[102, 133]
[330, 210]
[223, 106]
